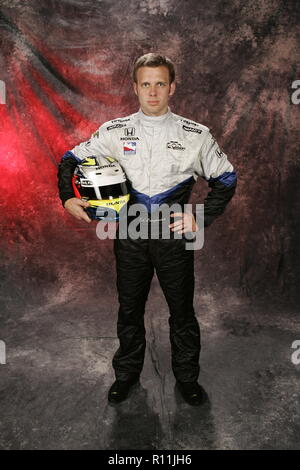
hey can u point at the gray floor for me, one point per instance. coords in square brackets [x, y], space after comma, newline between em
[54, 385]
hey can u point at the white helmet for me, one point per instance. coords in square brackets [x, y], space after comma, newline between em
[102, 182]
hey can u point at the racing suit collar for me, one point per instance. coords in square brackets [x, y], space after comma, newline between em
[153, 120]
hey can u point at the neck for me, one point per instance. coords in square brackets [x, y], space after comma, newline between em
[156, 121]
[162, 113]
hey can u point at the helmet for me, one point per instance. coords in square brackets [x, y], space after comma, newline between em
[102, 182]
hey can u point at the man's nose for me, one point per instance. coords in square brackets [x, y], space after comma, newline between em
[152, 90]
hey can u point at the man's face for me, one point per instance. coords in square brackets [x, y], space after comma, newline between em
[153, 89]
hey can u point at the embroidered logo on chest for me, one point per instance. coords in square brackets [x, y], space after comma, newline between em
[174, 145]
[129, 148]
[191, 129]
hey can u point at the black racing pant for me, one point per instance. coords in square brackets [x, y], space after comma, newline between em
[174, 265]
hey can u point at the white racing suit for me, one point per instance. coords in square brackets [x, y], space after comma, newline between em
[162, 158]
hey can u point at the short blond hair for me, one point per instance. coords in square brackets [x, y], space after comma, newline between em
[153, 59]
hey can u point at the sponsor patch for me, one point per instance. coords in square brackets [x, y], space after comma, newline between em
[115, 126]
[175, 145]
[219, 153]
[129, 148]
[190, 123]
[129, 131]
[120, 120]
[129, 138]
[191, 129]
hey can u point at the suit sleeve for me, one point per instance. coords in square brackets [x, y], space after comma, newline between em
[216, 169]
[97, 145]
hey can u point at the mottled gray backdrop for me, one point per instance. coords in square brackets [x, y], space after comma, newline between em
[66, 65]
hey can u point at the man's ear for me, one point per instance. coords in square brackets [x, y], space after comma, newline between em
[172, 88]
[135, 88]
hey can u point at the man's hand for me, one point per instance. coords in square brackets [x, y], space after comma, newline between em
[186, 223]
[75, 206]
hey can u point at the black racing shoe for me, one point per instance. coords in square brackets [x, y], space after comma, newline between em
[192, 392]
[120, 389]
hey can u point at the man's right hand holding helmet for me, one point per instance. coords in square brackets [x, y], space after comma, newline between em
[75, 207]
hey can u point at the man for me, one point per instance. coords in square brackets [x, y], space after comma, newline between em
[162, 155]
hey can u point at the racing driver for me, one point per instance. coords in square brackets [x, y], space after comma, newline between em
[162, 155]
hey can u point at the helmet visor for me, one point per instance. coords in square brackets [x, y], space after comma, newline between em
[112, 191]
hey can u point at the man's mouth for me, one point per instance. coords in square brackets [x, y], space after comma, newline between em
[153, 102]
